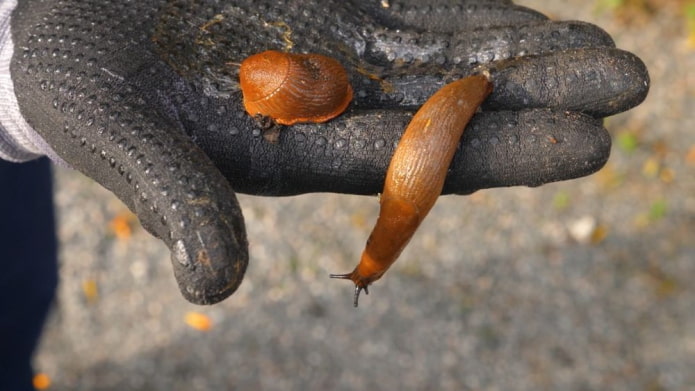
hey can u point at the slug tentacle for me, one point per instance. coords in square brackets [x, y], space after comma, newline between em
[359, 286]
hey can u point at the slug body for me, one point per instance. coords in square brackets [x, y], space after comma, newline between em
[292, 88]
[416, 174]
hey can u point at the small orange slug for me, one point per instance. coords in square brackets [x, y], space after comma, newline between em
[292, 88]
[416, 174]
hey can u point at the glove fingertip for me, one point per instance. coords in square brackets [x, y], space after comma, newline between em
[209, 265]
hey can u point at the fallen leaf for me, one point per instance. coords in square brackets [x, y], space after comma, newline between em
[582, 228]
[41, 381]
[667, 175]
[599, 234]
[651, 167]
[690, 156]
[690, 22]
[122, 225]
[641, 220]
[198, 321]
[664, 285]
[90, 290]
[608, 177]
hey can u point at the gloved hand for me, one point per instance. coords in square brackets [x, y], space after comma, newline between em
[141, 97]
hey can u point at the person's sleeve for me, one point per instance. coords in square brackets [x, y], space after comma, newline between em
[18, 141]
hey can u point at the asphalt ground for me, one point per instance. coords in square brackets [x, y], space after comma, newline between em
[578, 285]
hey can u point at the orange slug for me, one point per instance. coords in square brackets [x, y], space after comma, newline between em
[292, 88]
[416, 174]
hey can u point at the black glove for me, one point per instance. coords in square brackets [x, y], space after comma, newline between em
[141, 97]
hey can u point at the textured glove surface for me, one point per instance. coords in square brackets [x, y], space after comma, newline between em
[76, 80]
[131, 94]
[398, 57]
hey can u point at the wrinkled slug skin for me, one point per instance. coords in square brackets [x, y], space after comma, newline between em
[293, 88]
[417, 171]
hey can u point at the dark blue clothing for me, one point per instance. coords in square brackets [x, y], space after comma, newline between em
[28, 266]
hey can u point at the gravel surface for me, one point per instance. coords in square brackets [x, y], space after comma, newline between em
[579, 285]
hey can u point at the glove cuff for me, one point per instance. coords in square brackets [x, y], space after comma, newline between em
[18, 141]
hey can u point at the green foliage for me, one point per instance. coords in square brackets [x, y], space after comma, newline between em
[658, 210]
[561, 200]
[603, 6]
[627, 141]
[689, 12]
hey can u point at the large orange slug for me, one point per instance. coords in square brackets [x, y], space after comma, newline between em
[292, 88]
[416, 174]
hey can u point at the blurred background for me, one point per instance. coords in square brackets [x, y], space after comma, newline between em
[579, 285]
